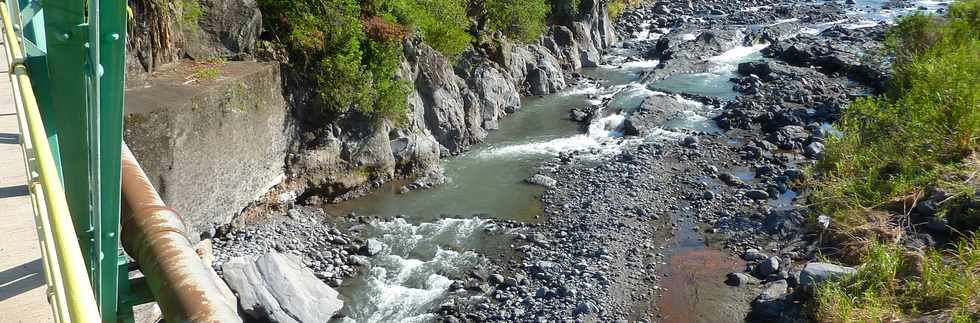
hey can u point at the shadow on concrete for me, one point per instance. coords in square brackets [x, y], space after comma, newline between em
[20, 279]
[13, 191]
[9, 138]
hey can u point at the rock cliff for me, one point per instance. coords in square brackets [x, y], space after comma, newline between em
[453, 104]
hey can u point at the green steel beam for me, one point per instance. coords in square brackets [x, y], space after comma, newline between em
[109, 48]
[66, 35]
[76, 57]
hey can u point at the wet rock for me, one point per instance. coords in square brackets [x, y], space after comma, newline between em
[653, 113]
[578, 115]
[768, 267]
[757, 194]
[754, 255]
[279, 288]
[542, 180]
[731, 180]
[371, 247]
[585, 308]
[813, 150]
[771, 303]
[496, 279]
[817, 272]
[690, 141]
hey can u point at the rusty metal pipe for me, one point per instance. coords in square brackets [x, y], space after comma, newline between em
[153, 234]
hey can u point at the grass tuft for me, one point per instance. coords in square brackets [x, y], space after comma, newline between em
[920, 138]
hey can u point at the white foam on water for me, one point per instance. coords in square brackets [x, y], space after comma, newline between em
[405, 280]
[687, 101]
[736, 54]
[861, 24]
[782, 21]
[642, 64]
[583, 88]
[755, 8]
[689, 36]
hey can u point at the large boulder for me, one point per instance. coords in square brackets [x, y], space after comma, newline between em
[495, 92]
[279, 288]
[211, 150]
[817, 272]
[655, 111]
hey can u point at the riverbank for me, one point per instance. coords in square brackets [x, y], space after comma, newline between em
[693, 136]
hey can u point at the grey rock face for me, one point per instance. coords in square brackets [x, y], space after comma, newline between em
[496, 93]
[817, 272]
[239, 127]
[230, 28]
[279, 288]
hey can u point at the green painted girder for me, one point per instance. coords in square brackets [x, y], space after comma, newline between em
[76, 57]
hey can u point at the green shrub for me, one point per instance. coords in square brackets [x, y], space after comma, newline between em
[902, 142]
[191, 13]
[523, 20]
[924, 133]
[443, 23]
[616, 7]
[327, 42]
[893, 285]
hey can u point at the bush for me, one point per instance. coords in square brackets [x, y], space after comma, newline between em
[616, 7]
[443, 23]
[924, 133]
[902, 142]
[523, 20]
[326, 40]
[893, 285]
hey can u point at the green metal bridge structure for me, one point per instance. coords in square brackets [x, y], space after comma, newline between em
[97, 215]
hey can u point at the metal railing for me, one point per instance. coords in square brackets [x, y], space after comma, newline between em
[69, 290]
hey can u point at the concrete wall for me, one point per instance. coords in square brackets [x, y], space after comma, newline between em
[211, 147]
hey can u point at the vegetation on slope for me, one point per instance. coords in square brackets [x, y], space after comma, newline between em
[350, 49]
[917, 142]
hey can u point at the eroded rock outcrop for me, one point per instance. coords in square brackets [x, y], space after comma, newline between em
[279, 288]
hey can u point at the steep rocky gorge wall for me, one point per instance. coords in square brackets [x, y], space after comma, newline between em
[214, 148]
[452, 106]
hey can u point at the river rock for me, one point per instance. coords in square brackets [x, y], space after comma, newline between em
[653, 113]
[757, 194]
[813, 150]
[585, 308]
[769, 305]
[768, 267]
[279, 288]
[542, 180]
[371, 247]
[740, 279]
[817, 272]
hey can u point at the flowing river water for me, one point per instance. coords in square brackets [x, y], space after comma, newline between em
[436, 230]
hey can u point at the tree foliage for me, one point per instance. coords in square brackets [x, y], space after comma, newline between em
[350, 49]
[523, 20]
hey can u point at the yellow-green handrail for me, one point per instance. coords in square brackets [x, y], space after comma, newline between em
[64, 264]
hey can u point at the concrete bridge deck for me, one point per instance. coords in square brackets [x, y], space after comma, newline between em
[22, 285]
